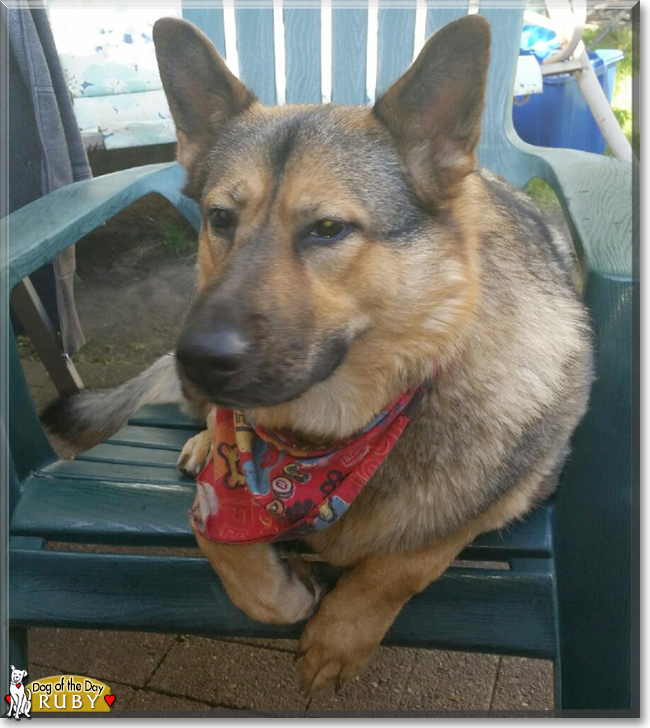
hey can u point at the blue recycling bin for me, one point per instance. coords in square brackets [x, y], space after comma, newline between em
[560, 117]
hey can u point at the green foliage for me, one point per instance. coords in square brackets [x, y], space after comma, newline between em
[26, 349]
[619, 37]
[542, 194]
[175, 240]
[95, 352]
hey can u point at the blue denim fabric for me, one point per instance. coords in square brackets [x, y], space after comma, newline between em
[45, 147]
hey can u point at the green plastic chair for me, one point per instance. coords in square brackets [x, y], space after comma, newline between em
[567, 593]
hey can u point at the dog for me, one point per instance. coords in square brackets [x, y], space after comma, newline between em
[21, 697]
[347, 255]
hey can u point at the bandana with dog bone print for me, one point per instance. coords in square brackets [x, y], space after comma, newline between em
[264, 485]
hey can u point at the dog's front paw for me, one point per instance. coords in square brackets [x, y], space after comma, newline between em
[336, 646]
[195, 453]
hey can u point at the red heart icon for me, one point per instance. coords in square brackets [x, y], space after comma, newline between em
[110, 699]
[8, 698]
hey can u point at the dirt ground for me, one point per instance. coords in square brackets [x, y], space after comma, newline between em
[135, 281]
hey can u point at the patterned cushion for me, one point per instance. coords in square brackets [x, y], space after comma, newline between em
[109, 63]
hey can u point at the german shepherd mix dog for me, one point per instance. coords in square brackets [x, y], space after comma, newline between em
[346, 256]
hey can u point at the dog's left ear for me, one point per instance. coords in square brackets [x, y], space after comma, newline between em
[434, 110]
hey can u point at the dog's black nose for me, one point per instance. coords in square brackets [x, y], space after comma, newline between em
[205, 355]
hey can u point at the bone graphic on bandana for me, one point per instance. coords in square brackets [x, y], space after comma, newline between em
[234, 477]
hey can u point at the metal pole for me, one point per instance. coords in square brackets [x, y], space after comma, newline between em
[601, 110]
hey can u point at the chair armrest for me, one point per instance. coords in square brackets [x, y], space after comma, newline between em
[595, 502]
[596, 193]
[39, 231]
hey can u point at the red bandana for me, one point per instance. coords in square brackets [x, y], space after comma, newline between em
[266, 486]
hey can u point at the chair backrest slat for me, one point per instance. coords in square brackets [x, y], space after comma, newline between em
[395, 40]
[210, 21]
[258, 30]
[256, 51]
[497, 119]
[437, 17]
[302, 35]
[349, 49]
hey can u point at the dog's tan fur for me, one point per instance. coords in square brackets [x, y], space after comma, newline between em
[446, 269]
[503, 363]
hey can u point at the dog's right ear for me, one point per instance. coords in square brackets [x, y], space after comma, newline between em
[434, 110]
[202, 93]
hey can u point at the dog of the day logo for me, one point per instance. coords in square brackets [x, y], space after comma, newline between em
[20, 697]
[57, 694]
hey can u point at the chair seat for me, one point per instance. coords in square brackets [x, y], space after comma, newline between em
[128, 492]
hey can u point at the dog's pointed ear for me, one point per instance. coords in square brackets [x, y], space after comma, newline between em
[434, 110]
[202, 93]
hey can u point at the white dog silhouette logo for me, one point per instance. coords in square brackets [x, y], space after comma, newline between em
[20, 697]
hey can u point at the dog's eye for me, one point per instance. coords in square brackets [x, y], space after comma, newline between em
[221, 220]
[329, 230]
